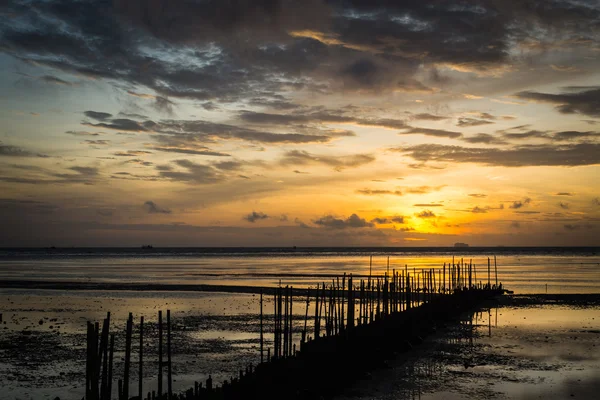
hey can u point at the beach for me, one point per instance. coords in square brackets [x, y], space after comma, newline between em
[216, 331]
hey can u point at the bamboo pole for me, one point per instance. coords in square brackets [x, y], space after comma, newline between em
[169, 366]
[261, 327]
[127, 357]
[141, 373]
[160, 355]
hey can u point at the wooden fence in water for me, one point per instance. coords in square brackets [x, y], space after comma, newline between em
[355, 325]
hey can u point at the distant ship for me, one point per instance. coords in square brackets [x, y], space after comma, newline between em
[461, 244]
[149, 246]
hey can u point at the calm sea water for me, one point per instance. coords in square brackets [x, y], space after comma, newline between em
[523, 270]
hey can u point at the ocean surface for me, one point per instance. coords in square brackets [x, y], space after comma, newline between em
[522, 270]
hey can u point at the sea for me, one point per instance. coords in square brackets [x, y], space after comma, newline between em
[48, 295]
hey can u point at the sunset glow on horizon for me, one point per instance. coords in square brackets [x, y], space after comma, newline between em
[317, 123]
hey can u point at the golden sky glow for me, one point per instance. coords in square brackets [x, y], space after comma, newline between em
[204, 124]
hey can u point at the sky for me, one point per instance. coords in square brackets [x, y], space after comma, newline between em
[299, 123]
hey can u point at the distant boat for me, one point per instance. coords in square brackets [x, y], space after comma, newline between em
[458, 244]
[149, 246]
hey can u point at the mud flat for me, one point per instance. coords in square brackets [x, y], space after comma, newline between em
[524, 347]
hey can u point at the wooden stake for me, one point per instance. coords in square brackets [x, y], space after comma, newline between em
[169, 366]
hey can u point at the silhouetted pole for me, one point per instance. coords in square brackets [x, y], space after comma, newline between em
[160, 355]
[261, 326]
[489, 282]
[169, 369]
[141, 377]
[127, 357]
[496, 271]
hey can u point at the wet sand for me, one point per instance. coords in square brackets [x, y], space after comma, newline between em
[523, 348]
[528, 347]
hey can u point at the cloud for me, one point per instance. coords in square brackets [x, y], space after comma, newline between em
[191, 172]
[422, 189]
[484, 138]
[153, 208]
[479, 210]
[301, 157]
[119, 124]
[190, 151]
[431, 132]
[97, 115]
[518, 204]
[353, 221]
[427, 117]
[97, 142]
[564, 194]
[425, 214]
[478, 195]
[467, 122]
[319, 117]
[83, 133]
[132, 153]
[15, 151]
[399, 219]
[564, 206]
[428, 205]
[205, 131]
[374, 192]
[596, 201]
[56, 81]
[518, 156]
[586, 102]
[255, 216]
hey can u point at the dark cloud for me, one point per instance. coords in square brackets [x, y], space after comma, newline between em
[353, 221]
[484, 138]
[191, 172]
[375, 192]
[426, 214]
[564, 206]
[388, 220]
[301, 157]
[153, 208]
[255, 216]
[573, 135]
[483, 210]
[14, 151]
[428, 205]
[564, 194]
[427, 117]
[214, 50]
[205, 131]
[319, 117]
[431, 132]
[119, 124]
[164, 105]
[478, 195]
[83, 133]
[190, 151]
[97, 115]
[518, 156]
[466, 122]
[518, 204]
[586, 102]
[97, 142]
[131, 153]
